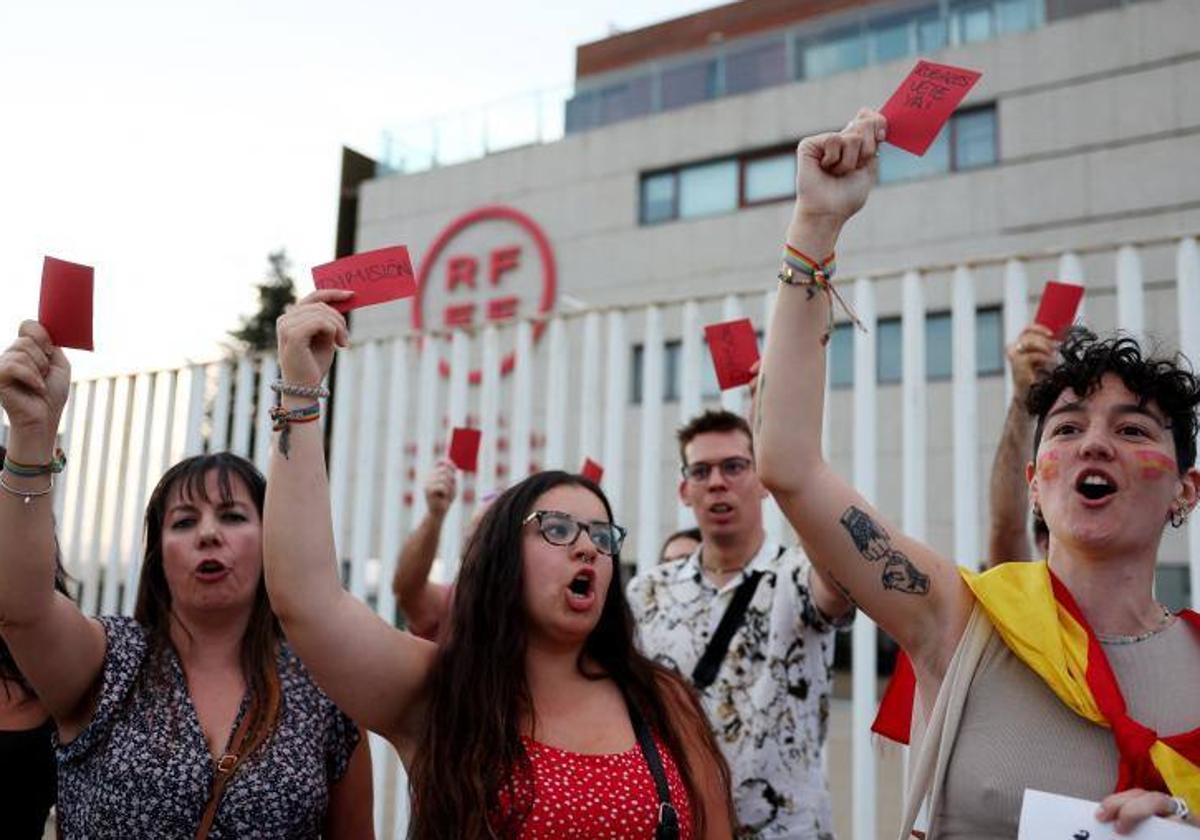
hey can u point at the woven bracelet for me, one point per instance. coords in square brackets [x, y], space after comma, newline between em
[34, 470]
[316, 392]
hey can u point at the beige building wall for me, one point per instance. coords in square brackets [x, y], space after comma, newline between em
[1098, 142]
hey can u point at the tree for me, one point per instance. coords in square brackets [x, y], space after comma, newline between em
[257, 332]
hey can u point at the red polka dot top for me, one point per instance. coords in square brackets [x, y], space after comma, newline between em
[575, 795]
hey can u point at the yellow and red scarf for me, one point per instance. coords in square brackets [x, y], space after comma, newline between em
[1042, 625]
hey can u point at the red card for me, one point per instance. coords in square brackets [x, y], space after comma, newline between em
[734, 349]
[374, 277]
[1060, 302]
[65, 308]
[591, 470]
[923, 102]
[464, 448]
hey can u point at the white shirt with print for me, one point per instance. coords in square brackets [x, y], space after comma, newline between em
[769, 705]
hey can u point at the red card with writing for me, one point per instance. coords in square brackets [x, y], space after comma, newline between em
[1060, 302]
[464, 448]
[591, 470]
[374, 277]
[65, 307]
[734, 349]
[923, 102]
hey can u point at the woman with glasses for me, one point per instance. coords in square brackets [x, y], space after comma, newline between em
[534, 716]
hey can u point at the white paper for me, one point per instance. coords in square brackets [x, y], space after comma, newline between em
[1050, 816]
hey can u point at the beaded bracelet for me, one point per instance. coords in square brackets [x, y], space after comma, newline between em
[27, 495]
[283, 419]
[799, 269]
[317, 392]
[34, 470]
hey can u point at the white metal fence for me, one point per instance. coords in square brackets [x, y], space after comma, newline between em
[569, 398]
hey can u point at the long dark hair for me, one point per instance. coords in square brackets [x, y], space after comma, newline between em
[471, 748]
[153, 610]
[10, 674]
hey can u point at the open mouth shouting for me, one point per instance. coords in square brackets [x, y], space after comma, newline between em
[211, 570]
[581, 591]
[1095, 486]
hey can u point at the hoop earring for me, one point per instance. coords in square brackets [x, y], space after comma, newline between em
[1179, 516]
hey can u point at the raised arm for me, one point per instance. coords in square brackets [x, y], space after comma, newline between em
[423, 602]
[1008, 490]
[906, 587]
[375, 673]
[34, 618]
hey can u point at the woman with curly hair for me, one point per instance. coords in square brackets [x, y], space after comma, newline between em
[1065, 675]
[535, 716]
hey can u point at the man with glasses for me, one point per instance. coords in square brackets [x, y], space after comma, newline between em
[752, 624]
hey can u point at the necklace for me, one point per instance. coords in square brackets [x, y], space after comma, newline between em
[1163, 623]
[720, 570]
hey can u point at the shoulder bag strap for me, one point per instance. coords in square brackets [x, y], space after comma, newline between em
[706, 669]
[245, 742]
[667, 827]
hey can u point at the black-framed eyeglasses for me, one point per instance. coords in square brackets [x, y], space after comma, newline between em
[558, 528]
[732, 468]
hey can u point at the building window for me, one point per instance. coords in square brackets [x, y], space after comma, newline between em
[891, 38]
[832, 52]
[689, 83]
[769, 177]
[841, 356]
[756, 67]
[673, 372]
[973, 21]
[717, 186]
[967, 141]
[974, 138]
[896, 165]
[670, 373]
[753, 63]
[625, 100]
[939, 349]
[708, 188]
[658, 198]
[1017, 15]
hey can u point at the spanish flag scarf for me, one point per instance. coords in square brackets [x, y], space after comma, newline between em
[1039, 621]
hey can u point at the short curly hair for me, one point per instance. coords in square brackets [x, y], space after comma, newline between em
[1169, 383]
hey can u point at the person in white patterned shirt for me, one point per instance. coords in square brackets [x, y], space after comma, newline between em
[768, 702]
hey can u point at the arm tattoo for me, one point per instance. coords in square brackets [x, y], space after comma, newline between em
[284, 446]
[873, 543]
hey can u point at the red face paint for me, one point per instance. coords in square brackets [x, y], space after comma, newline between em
[1155, 464]
[1047, 465]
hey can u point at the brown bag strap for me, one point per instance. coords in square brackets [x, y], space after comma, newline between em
[245, 742]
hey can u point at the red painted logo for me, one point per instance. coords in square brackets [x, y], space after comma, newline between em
[491, 265]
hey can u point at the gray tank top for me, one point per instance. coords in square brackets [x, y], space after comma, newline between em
[1016, 734]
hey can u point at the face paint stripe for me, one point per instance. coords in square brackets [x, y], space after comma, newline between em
[1047, 465]
[1155, 464]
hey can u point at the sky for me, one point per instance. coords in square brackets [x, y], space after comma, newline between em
[173, 145]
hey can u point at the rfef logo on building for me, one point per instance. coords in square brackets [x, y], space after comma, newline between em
[491, 265]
